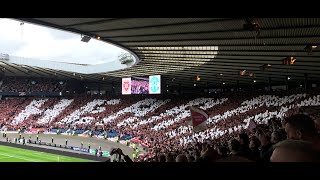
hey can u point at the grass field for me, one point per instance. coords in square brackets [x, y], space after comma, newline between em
[11, 154]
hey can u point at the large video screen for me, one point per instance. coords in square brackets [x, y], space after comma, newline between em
[155, 84]
[142, 85]
[139, 85]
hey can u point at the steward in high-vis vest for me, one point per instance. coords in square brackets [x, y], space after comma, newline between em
[20, 135]
[81, 144]
[117, 139]
[37, 137]
[89, 145]
[134, 156]
[137, 151]
[73, 132]
[57, 131]
[105, 136]
[128, 142]
[66, 141]
[52, 140]
[90, 134]
[134, 146]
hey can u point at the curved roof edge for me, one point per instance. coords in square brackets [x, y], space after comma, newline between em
[61, 28]
[70, 67]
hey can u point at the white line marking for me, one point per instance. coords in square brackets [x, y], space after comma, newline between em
[19, 157]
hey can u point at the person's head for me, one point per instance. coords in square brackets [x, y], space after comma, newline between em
[191, 158]
[276, 137]
[254, 143]
[294, 151]
[222, 151]
[300, 127]
[234, 145]
[317, 123]
[162, 158]
[181, 158]
[244, 139]
[169, 157]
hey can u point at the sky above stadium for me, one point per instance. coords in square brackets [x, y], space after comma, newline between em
[33, 41]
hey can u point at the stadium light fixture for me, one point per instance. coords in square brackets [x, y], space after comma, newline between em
[289, 60]
[85, 38]
[251, 26]
[243, 72]
[197, 78]
[254, 81]
[309, 48]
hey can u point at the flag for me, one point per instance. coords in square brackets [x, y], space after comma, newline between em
[251, 125]
[199, 118]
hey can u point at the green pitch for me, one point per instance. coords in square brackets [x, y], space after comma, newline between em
[11, 154]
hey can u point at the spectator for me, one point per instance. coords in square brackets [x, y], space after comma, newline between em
[222, 151]
[169, 157]
[294, 151]
[254, 146]
[181, 158]
[244, 145]
[300, 127]
[234, 147]
[191, 158]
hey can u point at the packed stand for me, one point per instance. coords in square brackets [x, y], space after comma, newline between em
[240, 127]
[17, 84]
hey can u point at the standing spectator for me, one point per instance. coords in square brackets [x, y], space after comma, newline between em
[266, 147]
[234, 147]
[300, 127]
[244, 145]
[295, 151]
[254, 146]
[181, 158]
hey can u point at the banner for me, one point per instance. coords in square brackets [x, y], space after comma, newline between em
[199, 118]
[106, 153]
[135, 140]
[126, 85]
[36, 130]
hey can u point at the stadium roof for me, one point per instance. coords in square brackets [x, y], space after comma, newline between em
[216, 49]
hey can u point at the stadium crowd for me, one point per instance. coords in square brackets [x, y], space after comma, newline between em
[241, 126]
[16, 84]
